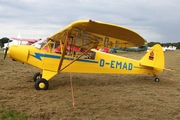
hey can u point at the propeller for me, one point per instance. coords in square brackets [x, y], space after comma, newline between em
[5, 53]
[6, 50]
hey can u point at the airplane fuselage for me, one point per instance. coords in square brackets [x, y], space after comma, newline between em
[102, 63]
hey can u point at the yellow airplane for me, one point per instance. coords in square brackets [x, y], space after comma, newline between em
[76, 49]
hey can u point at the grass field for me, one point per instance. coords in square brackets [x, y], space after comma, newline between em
[1, 52]
[97, 96]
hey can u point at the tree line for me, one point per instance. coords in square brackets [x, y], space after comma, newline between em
[3, 41]
[177, 45]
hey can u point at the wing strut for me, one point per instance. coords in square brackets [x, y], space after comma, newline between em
[64, 49]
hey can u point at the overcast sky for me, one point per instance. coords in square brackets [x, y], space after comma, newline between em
[154, 20]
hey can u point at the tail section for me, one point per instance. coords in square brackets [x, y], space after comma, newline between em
[154, 58]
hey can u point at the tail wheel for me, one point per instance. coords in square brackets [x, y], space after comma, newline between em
[41, 84]
[37, 76]
[156, 80]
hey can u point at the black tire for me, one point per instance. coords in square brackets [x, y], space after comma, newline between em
[37, 76]
[156, 80]
[41, 84]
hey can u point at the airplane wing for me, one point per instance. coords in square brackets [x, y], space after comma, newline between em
[106, 35]
[24, 39]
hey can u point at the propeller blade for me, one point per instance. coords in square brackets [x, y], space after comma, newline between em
[6, 50]
[5, 53]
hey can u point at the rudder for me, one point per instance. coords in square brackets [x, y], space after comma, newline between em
[154, 57]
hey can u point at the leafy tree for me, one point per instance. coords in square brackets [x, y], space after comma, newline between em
[178, 45]
[150, 44]
[3, 40]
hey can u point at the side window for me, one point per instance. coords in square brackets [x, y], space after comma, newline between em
[106, 41]
[56, 47]
[46, 48]
[116, 44]
[51, 47]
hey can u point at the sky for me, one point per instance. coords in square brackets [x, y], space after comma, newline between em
[155, 21]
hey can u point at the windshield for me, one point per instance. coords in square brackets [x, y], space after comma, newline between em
[40, 43]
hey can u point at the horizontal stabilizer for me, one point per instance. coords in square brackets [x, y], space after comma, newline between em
[169, 70]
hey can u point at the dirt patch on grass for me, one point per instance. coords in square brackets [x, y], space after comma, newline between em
[97, 96]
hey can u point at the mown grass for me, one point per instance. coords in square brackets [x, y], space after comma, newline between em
[8, 114]
[103, 97]
[1, 52]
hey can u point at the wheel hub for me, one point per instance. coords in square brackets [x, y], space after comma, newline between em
[41, 85]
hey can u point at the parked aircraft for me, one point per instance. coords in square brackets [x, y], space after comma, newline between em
[19, 41]
[137, 49]
[170, 48]
[88, 36]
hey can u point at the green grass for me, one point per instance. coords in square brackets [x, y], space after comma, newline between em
[8, 114]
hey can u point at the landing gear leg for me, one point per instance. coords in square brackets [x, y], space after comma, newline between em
[41, 79]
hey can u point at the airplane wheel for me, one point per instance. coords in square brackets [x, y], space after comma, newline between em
[37, 76]
[156, 80]
[41, 84]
